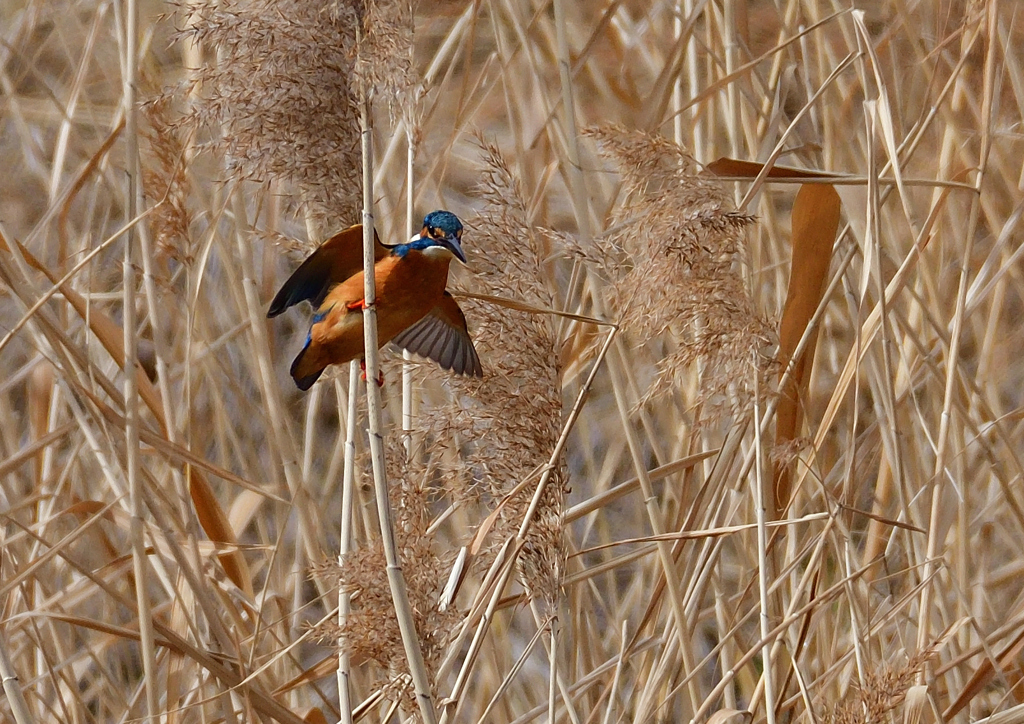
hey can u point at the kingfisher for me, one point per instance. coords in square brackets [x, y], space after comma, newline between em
[414, 310]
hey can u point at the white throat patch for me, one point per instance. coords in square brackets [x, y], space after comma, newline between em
[438, 252]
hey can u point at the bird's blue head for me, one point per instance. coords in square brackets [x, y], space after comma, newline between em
[445, 230]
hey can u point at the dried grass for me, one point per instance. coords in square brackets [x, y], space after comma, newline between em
[681, 239]
[279, 97]
[900, 567]
[371, 630]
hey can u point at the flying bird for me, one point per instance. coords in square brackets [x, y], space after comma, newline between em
[414, 311]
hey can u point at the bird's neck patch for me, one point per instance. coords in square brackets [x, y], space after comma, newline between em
[438, 252]
[428, 246]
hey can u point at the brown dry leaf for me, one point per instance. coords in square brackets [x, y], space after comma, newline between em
[36, 447]
[983, 675]
[520, 306]
[40, 396]
[215, 523]
[79, 183]
[476, 544]
[184, 456]
[815, 222]
[104, 627]
[455, 579]
[1013, 715]
[89, 508]
[480, 536]
[578, 349]
[314, 716]
[242, 510]
[625, 488]
[733, 167]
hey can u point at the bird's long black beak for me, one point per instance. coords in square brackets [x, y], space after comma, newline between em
[452, 242]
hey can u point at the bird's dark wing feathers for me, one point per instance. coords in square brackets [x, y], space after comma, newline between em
[310, 282]
[333, 262]
[435, 338]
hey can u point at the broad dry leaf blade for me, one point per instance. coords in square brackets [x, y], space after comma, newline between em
[984, 674]
[314, 716]
[736, 168]
[215, 523]
[815, 222]
[730, 716]
[915, 706]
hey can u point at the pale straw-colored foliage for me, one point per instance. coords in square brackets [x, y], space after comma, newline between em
[899, 571]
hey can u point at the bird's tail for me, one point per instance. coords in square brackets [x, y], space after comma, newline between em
[303, 371]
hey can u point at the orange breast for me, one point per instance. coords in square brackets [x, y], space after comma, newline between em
[407, 289]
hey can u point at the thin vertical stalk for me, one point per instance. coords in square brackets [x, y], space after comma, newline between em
[694, 83]
[12, 688]
[617, 676]
[732, 114]
[924, 630]
[396, 580]
[512, 547]
[309, 438]
[280, 432]
[677, 84]
[61, 147]
[408, 393]
[345, 544]
[762, 560]
[553, 669]
[556, 682]
[673, 586]
[723, 621]
[582, 212]
[131, 392]
[576, 181]
[505, 558]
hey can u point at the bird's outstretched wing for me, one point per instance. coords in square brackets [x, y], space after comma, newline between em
[333, 262]
[443, 336]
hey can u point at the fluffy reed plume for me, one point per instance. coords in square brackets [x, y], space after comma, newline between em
[385, 53]
[678, 241]
[881, 692]
[166, 180]
[281, 93]
[371, 631]
[508, 422]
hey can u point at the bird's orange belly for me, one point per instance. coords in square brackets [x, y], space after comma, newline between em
[406, 293]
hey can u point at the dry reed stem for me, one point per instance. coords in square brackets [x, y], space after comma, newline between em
[345, 534]
[393, 565]
[132, 197]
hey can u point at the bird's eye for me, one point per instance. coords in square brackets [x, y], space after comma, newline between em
[435, 232]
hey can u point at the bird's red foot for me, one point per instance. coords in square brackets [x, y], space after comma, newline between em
[361, 304]
[380, 373]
